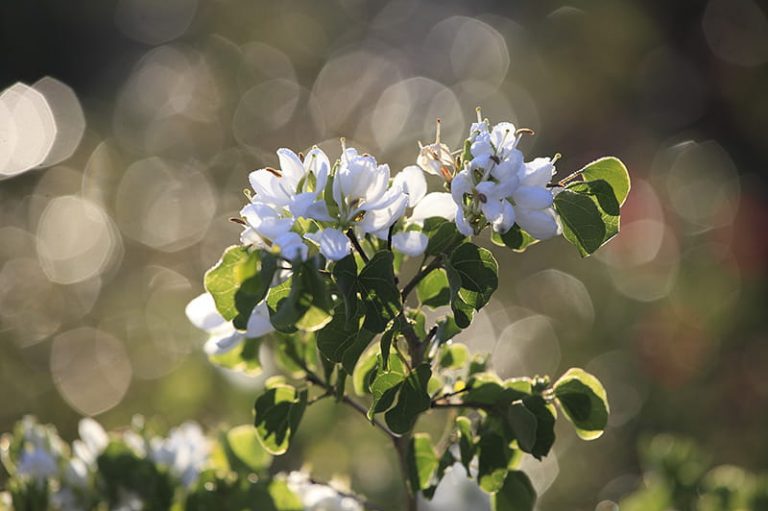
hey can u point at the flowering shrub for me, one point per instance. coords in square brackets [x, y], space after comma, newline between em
[320, 276]
[135, 470]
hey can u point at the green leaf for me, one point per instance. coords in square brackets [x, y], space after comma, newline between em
[342, 341]
[376, 283]
[545, 425]
[224, 279]
[433, 290]
[254, 289]
[444, 239]
[493, 458]
[412, 400]
[466, 441]
[345, 275]
[384, 390]
[243, 442]
[301, 302]
[422, 461]
[478, 271]
[243, 358]
[364, 372]
[582, 221]
[453, 356]
[446, 460]
[584, 402]
[517, 494]
[278, 412]
[352, 354]
[515, 238]
[523, 424]
[611, 170]
[121, 470]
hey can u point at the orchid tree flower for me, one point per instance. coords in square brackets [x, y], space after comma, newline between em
[364, 200]
[222, 335]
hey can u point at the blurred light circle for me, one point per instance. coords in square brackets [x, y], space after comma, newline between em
[163, 204]
[68, 116]
[264, 108]
[26, 297]
[28, 128]
[557, 294]
[153, 22]
[617, 371]
[90, 369]
[527, 346]
[461, 48]
[480, 335]
[638, 243]
[349, 83]
[654, 279]
[261, 62]
[737, 31]
[76, 240]
[407, 111]
[703, 184]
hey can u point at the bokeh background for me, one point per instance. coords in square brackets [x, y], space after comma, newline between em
[128, 128]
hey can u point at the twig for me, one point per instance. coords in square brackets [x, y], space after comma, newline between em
[435, 263]
[356, 244]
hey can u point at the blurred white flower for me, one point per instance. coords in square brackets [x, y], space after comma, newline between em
[93, 440]
[411, 181]
[222, 335]
[37, 463]
[319, 497]
[184, 452]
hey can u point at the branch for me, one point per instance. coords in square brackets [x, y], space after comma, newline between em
[356, 244]
[436, 262]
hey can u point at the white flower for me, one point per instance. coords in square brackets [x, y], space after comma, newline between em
[411, 181]
[93, 441]
[360, 189]
[184, 452]
[291, 246]
[296, 185]
[435, 204]
[319, 497]
[436, 159]
[223, 336]
[410, 243]
[533, 200]
[333, 243]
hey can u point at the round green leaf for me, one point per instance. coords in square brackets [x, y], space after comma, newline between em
[584, 402]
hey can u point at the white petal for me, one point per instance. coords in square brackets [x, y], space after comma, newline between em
[223, 343]
[301, 202]
[333, 243]
[462, 225]
[506, 219]
[503, 137]
[291, 246]
[509, 167]
[258, 323]
[93, 434]
[411, 181]
[539, 223]
[317, 162]
[533, 197]
[202, 313]
[537, 172]
[492, 209]
[265, 220]
[462, 184]
[268, 188]
[318, 210]
[410, 243]
[382, 218]
[435, 204]
[290, 166]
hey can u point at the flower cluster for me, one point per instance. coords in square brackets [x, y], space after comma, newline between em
[496, 186]
[308, 206]
[133, 470]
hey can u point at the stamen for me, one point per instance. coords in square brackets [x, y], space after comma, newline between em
[482, 198]
[437, 131]
[479, 114]
[248, 194]
[301, 156]
[239, 221]
[274, 172]
[496, 159]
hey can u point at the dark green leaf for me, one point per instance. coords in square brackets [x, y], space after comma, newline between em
[335, 338]
[493, 458]
[412, 400]
[254, 289]
[278, 412]
[384, 390]
[583, 399]
[517, 494]
[422, 461]
[478, 271]
[545, 425]
[376, 283]
[523, 425]
[364, 371]
[515, 238]
[345, 274]
[444, 239]
[433, 289]
[466, 441]
[611, 170]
